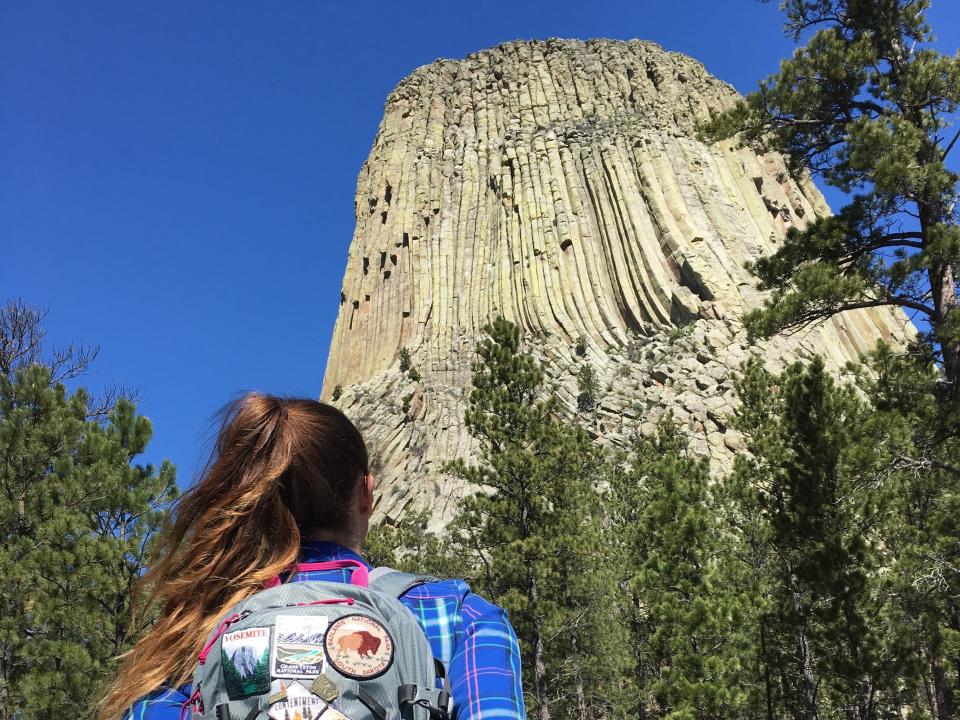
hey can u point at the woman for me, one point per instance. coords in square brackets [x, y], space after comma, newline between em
[289, 481]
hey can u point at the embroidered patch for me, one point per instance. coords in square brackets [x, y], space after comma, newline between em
[359, 647]
[325, 688]
[245, 659]
[278, 692]
[298, 648]
[298, 703]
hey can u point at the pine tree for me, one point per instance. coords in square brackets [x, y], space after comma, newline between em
[260, 679]
[536, 530]
[914, 459]
[232, 680]
[691, 655]
[77, 518]
[589, 650]
[812, 518]
[587, 386]
[868, 106]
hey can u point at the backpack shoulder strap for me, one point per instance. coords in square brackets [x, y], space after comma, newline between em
[394, 582]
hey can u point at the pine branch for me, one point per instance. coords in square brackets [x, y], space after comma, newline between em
[949, 147]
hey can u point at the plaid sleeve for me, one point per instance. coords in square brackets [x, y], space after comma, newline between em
[162, 704]
[485, 667]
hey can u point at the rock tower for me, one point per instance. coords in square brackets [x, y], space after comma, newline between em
[561, 184]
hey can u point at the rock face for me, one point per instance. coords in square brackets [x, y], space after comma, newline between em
[561, 184]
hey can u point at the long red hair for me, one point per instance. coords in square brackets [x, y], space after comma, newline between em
[280, 470]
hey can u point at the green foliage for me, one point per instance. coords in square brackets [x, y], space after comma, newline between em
[406, 365]
[581, 347]
[78, 517]
[804, 511]
[261, 672]
[871, 108]
[917, 428]
[692, 649]
[337, 392]
[678, 333]
[588, 387]
[818, 579]
[536, 531]
[824, 505]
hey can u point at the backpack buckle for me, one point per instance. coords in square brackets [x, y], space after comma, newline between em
[436, 701]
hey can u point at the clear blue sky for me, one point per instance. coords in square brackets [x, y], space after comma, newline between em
[177, 178]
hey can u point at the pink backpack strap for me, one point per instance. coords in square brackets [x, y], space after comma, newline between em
[360, 575]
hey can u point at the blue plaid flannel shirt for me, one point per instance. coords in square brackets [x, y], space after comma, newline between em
[471, 636]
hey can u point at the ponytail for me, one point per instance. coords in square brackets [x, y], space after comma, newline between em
[280, 470]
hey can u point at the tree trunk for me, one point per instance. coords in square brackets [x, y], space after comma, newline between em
[870, 709]
[929, 684]
[636, 629]
[768, 690]
[581, 699]
[932, 697]
[539, 661]
[941, 687]
[953, 621]
[943, 291]
[6, 712]
[540, 674]
[946, 324]
[809, 679]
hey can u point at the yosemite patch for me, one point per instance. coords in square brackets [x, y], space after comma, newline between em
[359, 647]
[245, 658]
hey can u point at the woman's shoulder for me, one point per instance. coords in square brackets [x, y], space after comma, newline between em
[455, 590]
[429, 585]
[162, 704]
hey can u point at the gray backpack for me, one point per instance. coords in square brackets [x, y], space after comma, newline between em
[319, 650]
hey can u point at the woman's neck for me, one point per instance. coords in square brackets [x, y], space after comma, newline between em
[348, 540]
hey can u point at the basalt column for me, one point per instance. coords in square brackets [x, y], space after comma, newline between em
[561, 184]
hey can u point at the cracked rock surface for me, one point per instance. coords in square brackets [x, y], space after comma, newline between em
[561, 184]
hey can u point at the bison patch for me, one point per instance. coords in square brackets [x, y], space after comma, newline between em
[359, 647]
[361, 642]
